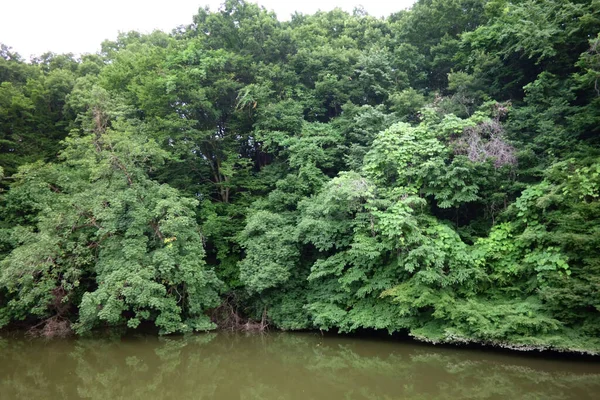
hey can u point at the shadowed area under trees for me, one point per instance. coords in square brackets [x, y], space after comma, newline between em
[436, 173]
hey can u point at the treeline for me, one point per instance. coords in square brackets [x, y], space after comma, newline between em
[436, 172]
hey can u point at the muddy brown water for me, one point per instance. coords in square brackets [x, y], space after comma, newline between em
[280, 366]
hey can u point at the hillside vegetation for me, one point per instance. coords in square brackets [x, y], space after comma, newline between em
[436, 172]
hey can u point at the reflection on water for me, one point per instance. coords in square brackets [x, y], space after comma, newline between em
[279, 366]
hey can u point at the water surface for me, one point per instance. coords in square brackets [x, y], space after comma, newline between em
[280, 366]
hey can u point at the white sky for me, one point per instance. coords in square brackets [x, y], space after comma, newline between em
[32, 27]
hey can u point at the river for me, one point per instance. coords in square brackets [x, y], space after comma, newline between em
[280, 366]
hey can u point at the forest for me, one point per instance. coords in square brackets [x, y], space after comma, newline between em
[434, 173]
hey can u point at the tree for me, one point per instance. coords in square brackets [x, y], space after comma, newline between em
[129, 249]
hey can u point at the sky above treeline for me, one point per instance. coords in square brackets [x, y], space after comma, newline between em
[33, 27]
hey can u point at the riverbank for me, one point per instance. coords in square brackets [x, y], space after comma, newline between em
[258, 328]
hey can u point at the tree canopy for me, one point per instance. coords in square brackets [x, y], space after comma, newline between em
[434, 172]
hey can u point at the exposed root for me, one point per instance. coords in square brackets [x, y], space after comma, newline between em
[53, 327]
[57, 325]
[227, 317]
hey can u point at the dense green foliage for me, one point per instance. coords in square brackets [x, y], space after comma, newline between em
[436, 172]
